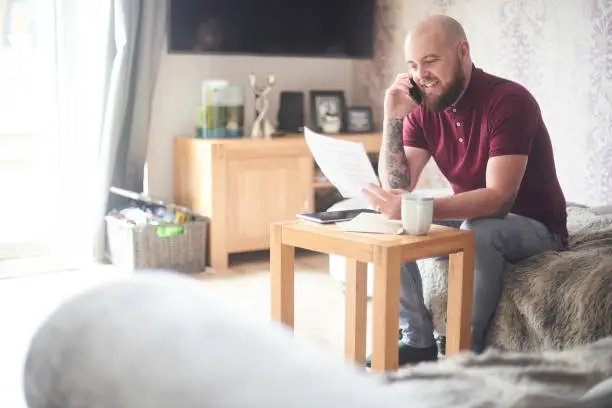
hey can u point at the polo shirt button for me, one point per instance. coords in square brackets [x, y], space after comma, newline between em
[460, 140]
[458, 124]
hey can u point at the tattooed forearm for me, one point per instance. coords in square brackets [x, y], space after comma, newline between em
[393, 165]
[505, 208]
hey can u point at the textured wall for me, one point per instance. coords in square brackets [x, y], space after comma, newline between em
[559, 49]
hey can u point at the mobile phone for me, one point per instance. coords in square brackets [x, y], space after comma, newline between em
[330, 217]
[415, 92]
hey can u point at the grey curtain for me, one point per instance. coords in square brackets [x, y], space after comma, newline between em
[137, 34]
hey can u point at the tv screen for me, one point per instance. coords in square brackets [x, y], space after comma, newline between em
[314, 28]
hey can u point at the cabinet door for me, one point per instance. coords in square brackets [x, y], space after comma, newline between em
[262, 191]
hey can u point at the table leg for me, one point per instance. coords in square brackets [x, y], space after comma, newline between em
[460, 296]
[356, 310]
[282, 268]
[385, 309]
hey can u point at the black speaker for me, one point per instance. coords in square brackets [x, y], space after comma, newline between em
[291, 112]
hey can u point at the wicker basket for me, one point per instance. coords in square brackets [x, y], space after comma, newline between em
[180, 247]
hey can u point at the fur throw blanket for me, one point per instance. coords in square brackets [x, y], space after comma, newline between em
[575, 377]
[550, 301]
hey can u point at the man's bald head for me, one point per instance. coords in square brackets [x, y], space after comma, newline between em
[446, 28]
[437, 53]
[442, 30]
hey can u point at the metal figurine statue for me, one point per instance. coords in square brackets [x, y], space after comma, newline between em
[262, 128]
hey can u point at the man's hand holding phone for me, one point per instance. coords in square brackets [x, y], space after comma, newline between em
[401, 97]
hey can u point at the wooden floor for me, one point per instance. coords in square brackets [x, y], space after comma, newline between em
[319, 299]
[26, 301]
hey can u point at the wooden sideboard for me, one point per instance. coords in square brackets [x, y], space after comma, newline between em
[243, 185]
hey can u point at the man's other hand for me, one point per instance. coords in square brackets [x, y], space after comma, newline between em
[386, 201]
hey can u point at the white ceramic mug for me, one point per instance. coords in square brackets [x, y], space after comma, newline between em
[417, 214]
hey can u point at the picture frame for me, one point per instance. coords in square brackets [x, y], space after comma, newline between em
[328, 111]
[359, 119]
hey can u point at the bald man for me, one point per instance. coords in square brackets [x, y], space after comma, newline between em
[487, 136]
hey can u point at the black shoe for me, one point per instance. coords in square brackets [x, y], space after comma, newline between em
[411, 355]
[441, 342]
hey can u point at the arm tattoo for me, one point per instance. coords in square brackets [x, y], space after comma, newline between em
[393, 165]
[505, 208]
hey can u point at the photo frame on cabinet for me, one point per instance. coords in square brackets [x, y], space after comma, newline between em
[327, 111]
[359, 119]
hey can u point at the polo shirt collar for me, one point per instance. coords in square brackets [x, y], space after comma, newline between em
[466, 101]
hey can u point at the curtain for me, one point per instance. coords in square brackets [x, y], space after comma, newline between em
[109, 53]
[559, 49]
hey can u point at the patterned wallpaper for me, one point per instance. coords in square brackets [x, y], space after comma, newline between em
[561, 50]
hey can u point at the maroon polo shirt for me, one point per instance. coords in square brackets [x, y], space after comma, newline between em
[494, 117]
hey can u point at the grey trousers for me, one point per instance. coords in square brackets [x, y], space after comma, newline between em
[497, 241]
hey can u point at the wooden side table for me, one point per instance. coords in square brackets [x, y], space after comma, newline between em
[387, 253]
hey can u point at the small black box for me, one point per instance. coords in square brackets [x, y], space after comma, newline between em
[291, 112]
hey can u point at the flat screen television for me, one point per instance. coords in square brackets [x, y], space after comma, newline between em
[300, 28]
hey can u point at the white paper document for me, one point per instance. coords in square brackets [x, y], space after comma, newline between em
[374, 223]
[345, 164]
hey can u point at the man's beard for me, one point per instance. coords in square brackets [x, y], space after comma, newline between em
[449, 96]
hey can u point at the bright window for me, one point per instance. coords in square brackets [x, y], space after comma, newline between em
[28, 136]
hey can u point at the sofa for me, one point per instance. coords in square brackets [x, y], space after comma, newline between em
[550, 301]
[165, 340]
